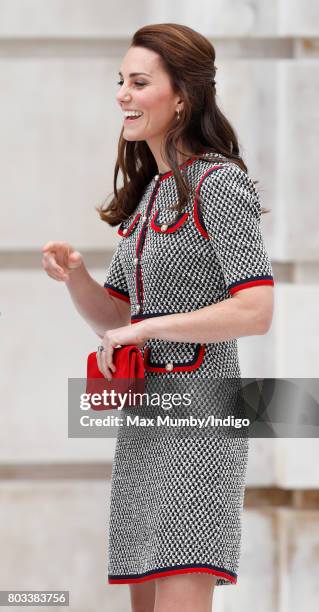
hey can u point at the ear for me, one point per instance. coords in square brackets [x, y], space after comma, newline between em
[179, 104]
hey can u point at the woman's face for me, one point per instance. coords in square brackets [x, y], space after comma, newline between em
[149, 93]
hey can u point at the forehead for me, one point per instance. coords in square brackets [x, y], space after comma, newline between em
[139, 59]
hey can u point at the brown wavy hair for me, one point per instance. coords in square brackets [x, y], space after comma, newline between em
[189, 60]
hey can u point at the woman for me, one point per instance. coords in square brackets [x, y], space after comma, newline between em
[190, 276]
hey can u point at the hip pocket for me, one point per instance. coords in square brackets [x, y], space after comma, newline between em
[169, 357]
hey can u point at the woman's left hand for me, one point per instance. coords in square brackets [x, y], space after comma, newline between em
[128, 334]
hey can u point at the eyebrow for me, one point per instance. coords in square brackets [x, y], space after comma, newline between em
[135, 74]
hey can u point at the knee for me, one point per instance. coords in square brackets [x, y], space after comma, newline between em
[185, 592]
[142, 606]
[142, 597]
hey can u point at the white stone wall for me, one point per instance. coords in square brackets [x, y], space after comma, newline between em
[59, 125]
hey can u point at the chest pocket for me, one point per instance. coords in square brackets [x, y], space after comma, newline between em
[128, 226]
[170, 238]
[166, 227]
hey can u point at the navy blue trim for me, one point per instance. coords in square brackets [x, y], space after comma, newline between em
[200, 217]
[126, 293]
[130, 228]
[162, 364]
[148, 315]
[140, 245]
[251, 278]
[169, 225]
[168, 568]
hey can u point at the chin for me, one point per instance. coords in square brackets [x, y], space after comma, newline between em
[132, 138]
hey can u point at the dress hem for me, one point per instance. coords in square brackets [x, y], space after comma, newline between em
[169, 571]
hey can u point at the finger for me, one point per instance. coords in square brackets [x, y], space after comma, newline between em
[65, 254]
[52, 246]
[109, 356]
[108, 373]
[102, 366]
[48, 246]
[51, 272]
[62, 254]
[98, 361]
[60, 250]
[60, 280]
[51, 265]
[110, 362]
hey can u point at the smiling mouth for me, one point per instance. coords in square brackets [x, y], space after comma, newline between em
[132, 118]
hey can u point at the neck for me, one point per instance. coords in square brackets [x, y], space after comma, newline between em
[162, 167]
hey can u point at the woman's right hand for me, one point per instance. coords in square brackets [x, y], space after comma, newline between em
[60, 260]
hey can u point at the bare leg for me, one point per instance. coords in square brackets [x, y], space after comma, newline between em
[143, 596]
[185, 593]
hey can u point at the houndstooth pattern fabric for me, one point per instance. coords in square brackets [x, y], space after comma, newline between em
[208, 254]
[176, 504]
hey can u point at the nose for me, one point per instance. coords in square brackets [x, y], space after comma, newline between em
[122, 95]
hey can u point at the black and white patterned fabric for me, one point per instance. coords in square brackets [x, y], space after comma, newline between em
[176, 503]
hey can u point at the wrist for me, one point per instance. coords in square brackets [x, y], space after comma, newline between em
[149, 328]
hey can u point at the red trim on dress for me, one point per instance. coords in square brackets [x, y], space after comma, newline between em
[130, 227]
[251, 284]
[171, 227]
[197, 222]
[118, 295]
[177, 368]
[168, 174]
[136, 265]
[138, 253]
[183, 570]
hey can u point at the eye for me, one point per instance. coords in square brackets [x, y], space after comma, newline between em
[135, 83]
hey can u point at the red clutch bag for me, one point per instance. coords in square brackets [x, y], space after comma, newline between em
[128, 377]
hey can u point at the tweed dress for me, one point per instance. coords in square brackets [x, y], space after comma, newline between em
[177, 501]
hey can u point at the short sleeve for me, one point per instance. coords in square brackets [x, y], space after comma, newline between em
[231, 213]
[115, 281]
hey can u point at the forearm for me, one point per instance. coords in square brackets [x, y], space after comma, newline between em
[226, 320]
[93, 302]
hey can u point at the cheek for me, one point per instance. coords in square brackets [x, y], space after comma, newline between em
[160, 112]
[158, 103]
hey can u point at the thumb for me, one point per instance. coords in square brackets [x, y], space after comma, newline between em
[140, 344]
[75, 260]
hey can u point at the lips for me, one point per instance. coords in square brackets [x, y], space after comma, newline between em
[132, 118]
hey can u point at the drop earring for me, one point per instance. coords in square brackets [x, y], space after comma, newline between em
[178, 114]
